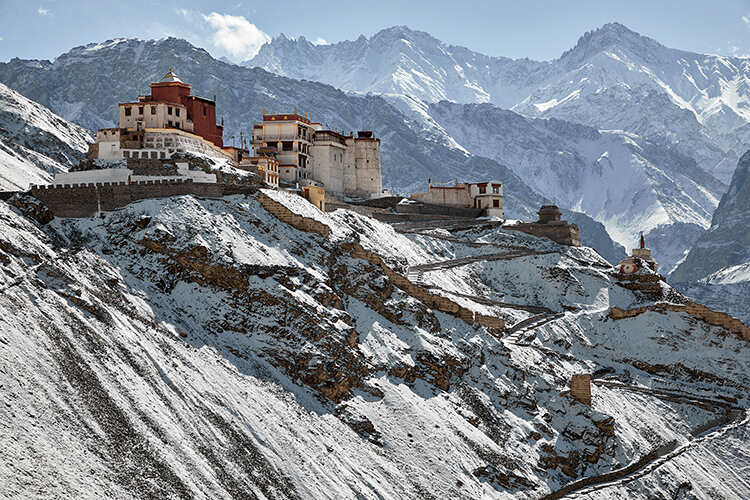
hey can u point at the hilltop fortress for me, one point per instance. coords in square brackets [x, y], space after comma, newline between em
[289, 149]
[169, 143]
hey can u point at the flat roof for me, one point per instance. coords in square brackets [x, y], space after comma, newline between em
[286, 117]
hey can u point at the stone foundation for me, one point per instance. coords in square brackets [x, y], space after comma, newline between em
[87, 200]
[560, 232]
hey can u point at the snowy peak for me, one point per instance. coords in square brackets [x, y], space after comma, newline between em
[727, 242]
[736, 202]
[609, 36]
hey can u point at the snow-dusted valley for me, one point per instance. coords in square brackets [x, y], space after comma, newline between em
[253, 346]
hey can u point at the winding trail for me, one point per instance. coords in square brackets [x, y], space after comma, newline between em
[649, 463]
[462, 261]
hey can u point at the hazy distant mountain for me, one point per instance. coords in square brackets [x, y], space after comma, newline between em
[620, 179]
[613, 78]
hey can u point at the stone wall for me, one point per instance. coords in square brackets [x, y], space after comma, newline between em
[697, 311]
[614, 475]
[87, 200]
[429, 209]
[563, 233]
[356, 250]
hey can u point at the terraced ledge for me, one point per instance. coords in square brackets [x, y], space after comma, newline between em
[697, 311]
[355, 249]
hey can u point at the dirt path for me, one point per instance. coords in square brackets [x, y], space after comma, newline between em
[462, 261]
[649, 463]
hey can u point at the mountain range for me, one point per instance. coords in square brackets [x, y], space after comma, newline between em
[82, 84]
[252, 346]
[613, 78]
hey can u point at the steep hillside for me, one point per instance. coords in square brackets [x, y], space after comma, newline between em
[613, 78]
[204, 348]
[34, 142]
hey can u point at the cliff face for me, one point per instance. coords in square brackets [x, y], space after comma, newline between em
[252, 346]
[716, 272]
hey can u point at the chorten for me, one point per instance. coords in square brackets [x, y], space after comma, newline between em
[639, 258]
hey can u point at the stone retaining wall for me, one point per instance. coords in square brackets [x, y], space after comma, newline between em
[297, 221]
[697, 311]
[87, 200]
[356, 250]
[564, 234]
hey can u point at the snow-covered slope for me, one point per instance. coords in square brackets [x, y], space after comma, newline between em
[203, 348]
[34, 142]
[613, 78]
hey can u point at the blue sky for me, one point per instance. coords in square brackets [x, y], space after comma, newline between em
[235, 29]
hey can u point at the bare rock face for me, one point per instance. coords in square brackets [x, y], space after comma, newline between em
[32, 208]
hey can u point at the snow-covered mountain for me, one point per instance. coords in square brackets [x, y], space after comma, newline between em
[186, 347]
[717, 268]
[34, 142]
[620, 179]
[613, 78]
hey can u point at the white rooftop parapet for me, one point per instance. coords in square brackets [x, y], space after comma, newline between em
[112, 175]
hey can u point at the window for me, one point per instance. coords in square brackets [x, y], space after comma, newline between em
[482, 189]
[153, 155]
[177, 111]
[169, 110]
[479, 203]
[169, 123]
[126, 154]
[496, 203]
[153, 110]
[495, 189]
[204, 110]
[162, 155]
[127, 111]
[140, 110]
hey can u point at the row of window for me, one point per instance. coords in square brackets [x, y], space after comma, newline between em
[129, 110]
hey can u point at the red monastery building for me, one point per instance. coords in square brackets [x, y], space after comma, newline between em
[169, 120]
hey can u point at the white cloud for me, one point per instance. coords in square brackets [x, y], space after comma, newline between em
[746, 20]
[42, 11]
[236, 35]
[320, 41]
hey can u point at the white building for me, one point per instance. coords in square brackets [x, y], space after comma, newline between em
[168, 121]
[485, 195]
[345, 165]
